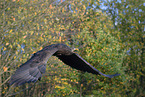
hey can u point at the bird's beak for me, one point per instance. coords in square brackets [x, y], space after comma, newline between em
[75, 49]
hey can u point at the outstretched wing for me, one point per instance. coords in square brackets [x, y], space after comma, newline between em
[77, 62]
[33, 69]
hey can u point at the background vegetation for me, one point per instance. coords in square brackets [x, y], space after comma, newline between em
[109, 34]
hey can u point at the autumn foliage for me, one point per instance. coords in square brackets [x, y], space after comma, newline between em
[109, 35]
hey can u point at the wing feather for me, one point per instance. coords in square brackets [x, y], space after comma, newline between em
[33, 69]
[77, 62]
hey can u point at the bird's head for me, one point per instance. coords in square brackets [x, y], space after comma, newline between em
[75, 49]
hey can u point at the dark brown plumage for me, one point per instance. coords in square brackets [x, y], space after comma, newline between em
[33, 69]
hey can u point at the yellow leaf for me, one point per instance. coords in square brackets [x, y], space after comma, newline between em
[24, 36]
[13, 19]
[10, 31]
[84, 7]
[4, 49]
[63, 10]
[16, 52]
[5, 69]
[50, 6]
[9, 8]
[40, 48]
[22, 49]
[19, 45]
[14, 57]
[7, 43]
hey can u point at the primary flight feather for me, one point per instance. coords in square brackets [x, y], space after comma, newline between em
[33, 69]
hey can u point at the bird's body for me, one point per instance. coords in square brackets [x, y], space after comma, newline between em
[33, 69]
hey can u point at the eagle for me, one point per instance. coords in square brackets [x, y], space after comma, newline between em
[32, 70]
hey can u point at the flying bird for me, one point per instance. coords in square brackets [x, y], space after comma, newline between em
[32, 70]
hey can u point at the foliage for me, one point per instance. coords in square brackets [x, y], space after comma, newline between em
[128, 19]
[111, 39]
[102, 50]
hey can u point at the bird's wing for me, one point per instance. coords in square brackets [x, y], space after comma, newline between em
[77, 62]
[33, 69]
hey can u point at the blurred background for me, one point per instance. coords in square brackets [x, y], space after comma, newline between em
[109, 34]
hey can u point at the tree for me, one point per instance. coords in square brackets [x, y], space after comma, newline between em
[128, 20]
[112, 40]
